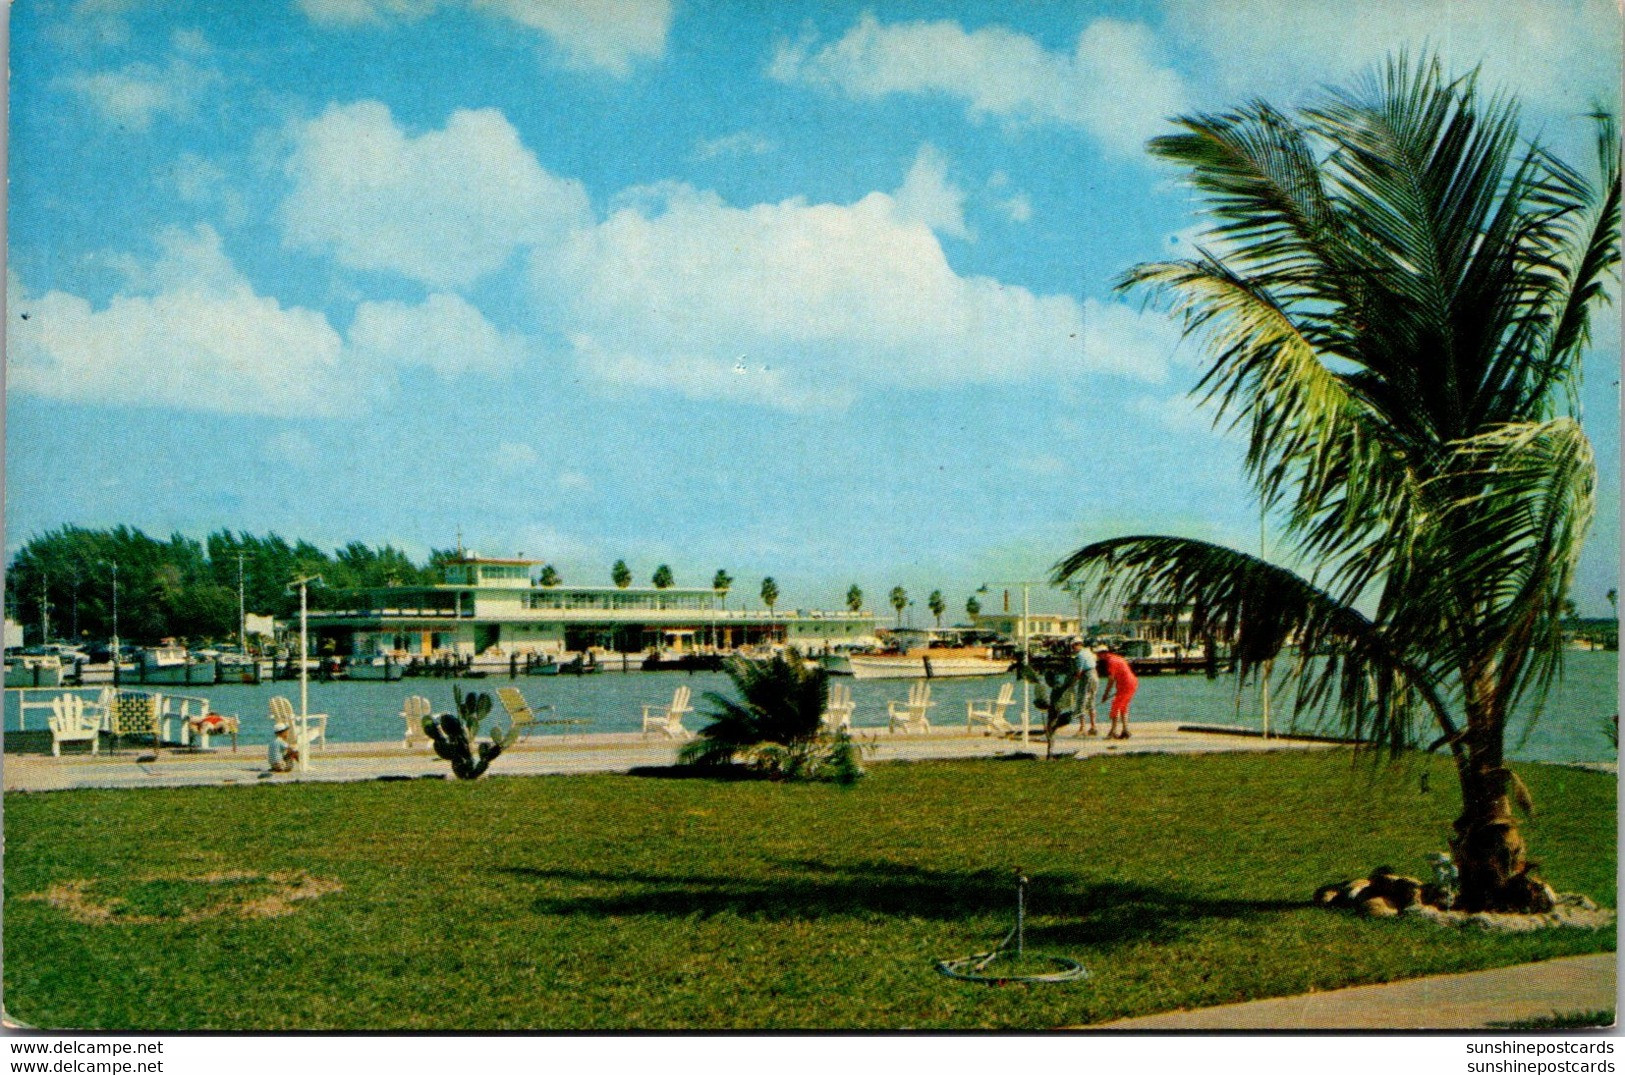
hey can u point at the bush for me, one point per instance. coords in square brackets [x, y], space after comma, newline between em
[775, 727]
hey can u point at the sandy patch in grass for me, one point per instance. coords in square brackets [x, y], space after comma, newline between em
[236, 894]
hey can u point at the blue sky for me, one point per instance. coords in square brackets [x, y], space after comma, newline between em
[815, 290]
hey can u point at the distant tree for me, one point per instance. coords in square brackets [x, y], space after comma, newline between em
[770, 593]
[550, 576]
[620, 574]
[899, 601]
[973, 607]
[937, 605]
[1613, 600]
[854, 599]
[663, 578]
[722, 582]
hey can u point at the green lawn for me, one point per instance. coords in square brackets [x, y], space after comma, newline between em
[616, 901]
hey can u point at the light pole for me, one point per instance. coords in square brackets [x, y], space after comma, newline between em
[242, 608]
[1026, 652]
[304, 582]
[114, 565]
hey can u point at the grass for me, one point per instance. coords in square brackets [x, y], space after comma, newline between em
[1562, 1021]
[606, 902]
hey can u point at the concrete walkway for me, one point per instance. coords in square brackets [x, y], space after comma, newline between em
[553, 755]
[1527, 991]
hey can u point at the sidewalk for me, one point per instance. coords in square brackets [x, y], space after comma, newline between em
[1569, 986]
[555, 755]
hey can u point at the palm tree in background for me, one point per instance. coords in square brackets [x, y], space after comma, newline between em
[550, 576]
[854, 598]
[1395, 299]
[899, 601]
[722, 582]
[770, 593]
[663, 578]
[620, 574]
[973, 607]
[937, 605]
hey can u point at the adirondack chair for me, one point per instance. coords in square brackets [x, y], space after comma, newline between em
[989, 712]
[315, 731]
[416, 708]
[71, 724]
[520, 714]
[668, 718]
[838, 710]
[910, 715]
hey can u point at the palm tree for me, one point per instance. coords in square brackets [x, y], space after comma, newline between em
[854, 598]
[899, 601]
[973, 607]
[620, 574]
[770, 593]
[937, 605]
[1395, 301]
[550, 576]
[721, 583]
[663, 578]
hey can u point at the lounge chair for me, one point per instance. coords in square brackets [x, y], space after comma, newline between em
[315, 731]
[989, 713]
[416, 708]
[668, 718]
[521, 716]
[136, 714]
[838, 709]
[71, 724]
[910, 715]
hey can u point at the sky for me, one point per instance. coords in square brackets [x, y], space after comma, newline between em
[815, 290]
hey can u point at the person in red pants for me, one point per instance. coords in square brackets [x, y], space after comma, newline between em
[1120, 687]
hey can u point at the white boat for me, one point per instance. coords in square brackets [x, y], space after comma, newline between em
[34, 670]
[378, 669]
[938, 663]
[171, 665]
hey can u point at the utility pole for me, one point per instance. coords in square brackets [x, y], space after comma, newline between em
[304, 583]
[242, 608]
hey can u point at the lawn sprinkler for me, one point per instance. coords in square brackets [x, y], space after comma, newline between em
[1019, 965]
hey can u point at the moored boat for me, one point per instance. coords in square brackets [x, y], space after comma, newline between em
[930, 663]
[172, 665]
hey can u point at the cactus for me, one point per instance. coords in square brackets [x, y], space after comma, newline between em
[1052, 696]
[455, 735]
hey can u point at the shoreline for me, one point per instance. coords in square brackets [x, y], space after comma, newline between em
[571, 754]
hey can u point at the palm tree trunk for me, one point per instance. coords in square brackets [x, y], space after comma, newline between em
[1488, 850]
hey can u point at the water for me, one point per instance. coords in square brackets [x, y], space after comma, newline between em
[1572, 727]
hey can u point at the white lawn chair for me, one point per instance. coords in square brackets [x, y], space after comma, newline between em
[838, 709]
[315, 731]
[910, 715]
[669, 718]
[71, 724]
[989, 713]
[416, 708]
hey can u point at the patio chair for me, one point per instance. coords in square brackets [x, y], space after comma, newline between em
[71, 724]
[135, 714]
[520, 714]
[910, 715]
[416, 708]
[315, 732]
[989, 713]
[838, 709]
[668, 718]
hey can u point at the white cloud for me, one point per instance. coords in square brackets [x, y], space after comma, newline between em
[1110, 84]
[1556, 56]
[203, 340]
[738, 144]
[516, 456]
[574, 481]
[135, 95]
[1018, 207]
[796, 304]
[189, 331]
[928, 197]
[607, 35]
[443, 333]
[445, 207]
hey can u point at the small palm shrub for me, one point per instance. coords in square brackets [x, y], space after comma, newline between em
[455, 735]
[774, 728]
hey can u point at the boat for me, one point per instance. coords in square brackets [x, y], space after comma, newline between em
[542, 666]
[173, 665]
[380, 669]
[942, 662]
[34, 670]
[1156, 656]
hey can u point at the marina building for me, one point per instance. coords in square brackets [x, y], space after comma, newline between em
[493, 605]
